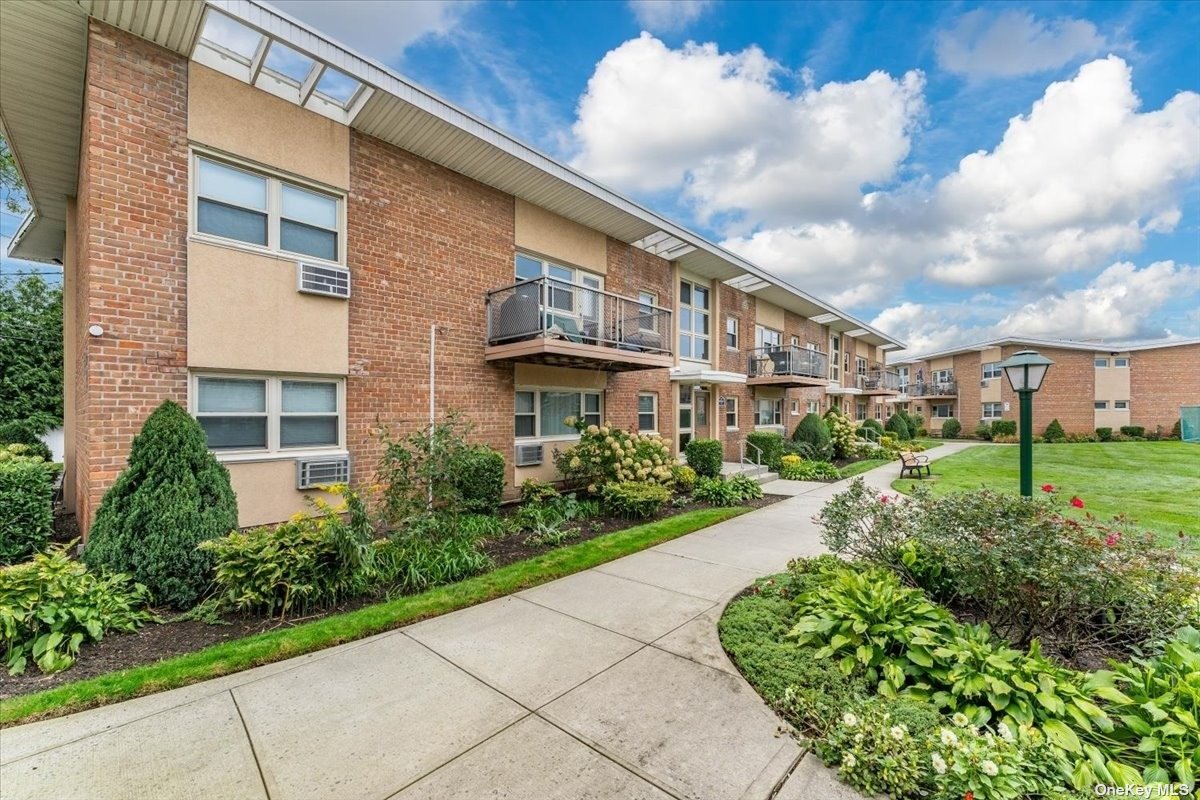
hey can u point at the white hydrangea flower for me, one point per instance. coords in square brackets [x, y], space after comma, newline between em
[960, 719]
[948, 737]
[848, 760]
[1005, 732]
[849, 720]
[939, 763]
[989, 768]
[898, 732]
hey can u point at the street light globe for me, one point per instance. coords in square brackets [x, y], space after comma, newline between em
[1026, 370]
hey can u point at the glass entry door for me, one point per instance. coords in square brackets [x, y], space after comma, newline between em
[685, 415]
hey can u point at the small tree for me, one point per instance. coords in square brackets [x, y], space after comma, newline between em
[897, 425]
[172, 495]
[813, 431]
[1054, 432]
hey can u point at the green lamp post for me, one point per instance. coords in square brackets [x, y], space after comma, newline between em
[1026, 370]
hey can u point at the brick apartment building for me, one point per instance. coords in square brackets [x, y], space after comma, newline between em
[300, 246]
[1091, 385]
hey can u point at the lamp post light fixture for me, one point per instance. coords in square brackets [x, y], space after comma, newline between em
[1026, 370]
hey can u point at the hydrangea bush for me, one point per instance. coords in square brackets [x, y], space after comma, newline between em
[606, 454]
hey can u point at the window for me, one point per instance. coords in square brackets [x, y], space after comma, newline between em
[992, 410]
[943, 377]
[860, 365]
[770, 412]
[879, 411]
[542, 413]
[1120, 362]
[795, 408]
[1121, 405]
[765, 337]
[244, 206]
[943, 411]
[992, 370]
[1101, 363]
[835, 358]
[794, 341]
[1100, 405]
[561, 298]
[700, 401]
[731, 413]
[902, 372]
[647, 412]
[814, 406]
[860, 412]
[252, 413]
[731, 333]
[693, 321]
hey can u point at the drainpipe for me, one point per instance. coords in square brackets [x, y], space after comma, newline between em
[432, 377]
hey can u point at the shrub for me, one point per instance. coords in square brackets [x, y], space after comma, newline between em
[172, 496]
[1004, 427]
[983, 431]
[479, 479]
[433, 463]
[431, 549]
[606, 455]
[705, 456]
[1104, 434]
[875, 751]
[538, 491]
[898, 426]
[1054, 432]
[26, 493]
[634, 500]
[841, 433]
[1133, 430]
[809, 471]
[872, 424]
[734, 491]
[951, 429]
[813, 432]
[685, 478]
[51, 605]
[1177, 429]
[26, 433]
[313, 560]
[771, 445]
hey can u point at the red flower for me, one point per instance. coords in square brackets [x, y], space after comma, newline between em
[1047, 487]
[1075, 501]
[883, 499]
[1112, 539]
[969, 796]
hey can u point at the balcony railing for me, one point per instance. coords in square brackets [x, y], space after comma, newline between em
[939, 389]
[788, 361]
[879, 380]
[548, 308]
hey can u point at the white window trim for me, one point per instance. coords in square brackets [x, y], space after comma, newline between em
[995, 370]
[731, 399]
[1121, 366]
[642, 306]
[577, 273]
[1100, 405]
[795, 408]
[760, 336]
[654, 397]
[1118, 407]
[707, 286]
[273, 451]
[999, 408]
[737, 337]
[835, 354]
[537, 412]
[274, 207]
[1096, 363]
[778, 402]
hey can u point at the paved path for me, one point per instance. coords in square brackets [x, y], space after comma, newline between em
[610, 683]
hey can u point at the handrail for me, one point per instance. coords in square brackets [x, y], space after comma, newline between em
[869, 434]
[742, 455]
[788, 360]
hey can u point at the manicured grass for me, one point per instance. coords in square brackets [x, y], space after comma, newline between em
[265, 648]
[1155, 483]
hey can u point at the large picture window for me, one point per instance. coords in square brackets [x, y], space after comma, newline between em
[251, 413]
[239, 204]
[694, 309]
[769, 412]
[542, 413]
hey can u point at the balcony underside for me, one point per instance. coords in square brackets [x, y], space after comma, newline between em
[565, 353]
[786, 381]
[880, 391]
[942, 396]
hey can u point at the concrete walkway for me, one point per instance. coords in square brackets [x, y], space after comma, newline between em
[610, 683]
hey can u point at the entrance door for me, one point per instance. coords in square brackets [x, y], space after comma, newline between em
[685, 415]
[700, 413]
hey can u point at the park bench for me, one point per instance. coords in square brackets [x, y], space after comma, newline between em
[912, 464]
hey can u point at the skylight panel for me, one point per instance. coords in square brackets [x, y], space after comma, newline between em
[337, 86]
[232, 37]
[288, 63]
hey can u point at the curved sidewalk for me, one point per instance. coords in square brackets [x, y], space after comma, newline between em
[610, 683]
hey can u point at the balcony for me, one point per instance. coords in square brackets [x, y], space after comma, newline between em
[548, 321]
[787, 365]
[919, 391]
[879, 381]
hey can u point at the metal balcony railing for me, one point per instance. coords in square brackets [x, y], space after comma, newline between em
[939, 389]
[554, 309]
[879, 380]
[788, 360]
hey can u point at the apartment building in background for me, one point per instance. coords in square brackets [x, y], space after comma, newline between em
[300, 246]
[1091, 385]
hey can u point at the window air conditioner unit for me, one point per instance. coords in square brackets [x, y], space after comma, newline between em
[529, 455]
[313, 472]
[322, 279]
[983, 384]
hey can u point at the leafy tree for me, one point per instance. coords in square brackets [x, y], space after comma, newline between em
[31, 353]
[172, 496]
[11, 185]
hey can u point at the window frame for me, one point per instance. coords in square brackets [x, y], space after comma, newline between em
[777, 413]
[1100, 363]
[1100, 405]
[795, 408]
[653, 412]
[860, 411]
[692, 309]
[1117, 362]
[990, 370]
[537, 412]
[274, 415]
[1120, 405]
[731, 407]
[999, 408]
[935, 406]
[275, 179]
[835, 356]
[731, 322]
[762, 333]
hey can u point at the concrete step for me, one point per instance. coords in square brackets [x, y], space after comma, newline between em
[766, 477]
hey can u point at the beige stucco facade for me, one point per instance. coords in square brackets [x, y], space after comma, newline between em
[546, 377]
[1112, 384]
[991, 392]
[547, 234]
[769, 316]
[266, 491]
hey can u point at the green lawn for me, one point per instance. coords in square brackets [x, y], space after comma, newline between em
[276, 645]
[1157, 484]
[868, 464]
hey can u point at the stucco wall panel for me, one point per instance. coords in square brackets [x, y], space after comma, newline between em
[266, 491]
[547, 234]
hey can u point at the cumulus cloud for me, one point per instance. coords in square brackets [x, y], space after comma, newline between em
[381, 30]
[1118, 304]
[660, 16]
[720, 126]
[984, 44]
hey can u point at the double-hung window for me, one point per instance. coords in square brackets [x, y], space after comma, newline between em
[770, 412]
[268, 414]
[694, 303]
[835, 358]
[731, 333]
[943, 411]
[647, 412]
[902, 376]
[992, 410]
[860, 412]
[241, 205]
[731, 413]
[542, 413]
[992, 370]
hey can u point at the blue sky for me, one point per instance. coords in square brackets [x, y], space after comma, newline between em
[825, 141]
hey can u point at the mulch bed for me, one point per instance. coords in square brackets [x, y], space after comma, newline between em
[157, 642]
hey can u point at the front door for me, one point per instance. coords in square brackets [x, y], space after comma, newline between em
[685, 415]
[700, 413]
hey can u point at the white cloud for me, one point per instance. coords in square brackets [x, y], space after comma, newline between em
[983, 44]
[659, 16]
[719, 125]
[1118, 304]
[380, 30]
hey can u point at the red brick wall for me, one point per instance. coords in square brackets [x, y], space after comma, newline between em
[969, 407]
[741, 306]
[1160, 381]
[425, 246]
[132, 257]
[1067, 393]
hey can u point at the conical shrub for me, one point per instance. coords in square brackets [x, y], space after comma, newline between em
[172, 495]
[812, 430]
[898, 425]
